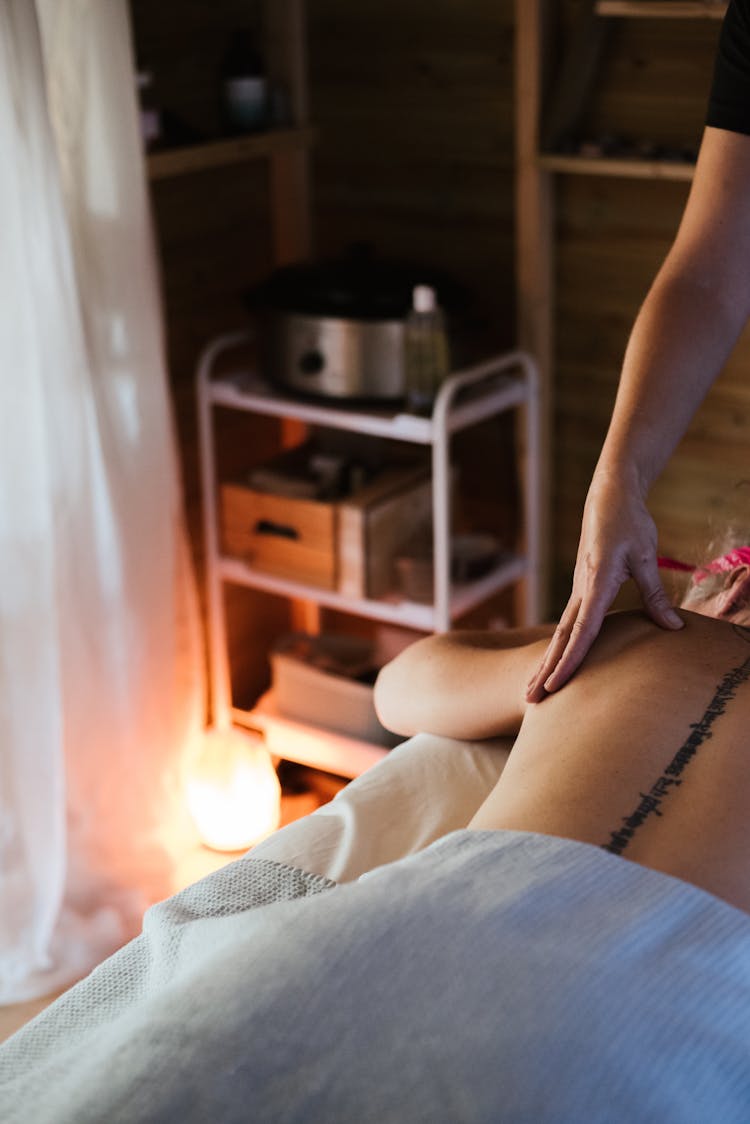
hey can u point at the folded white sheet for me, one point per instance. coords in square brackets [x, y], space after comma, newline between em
[425, 788]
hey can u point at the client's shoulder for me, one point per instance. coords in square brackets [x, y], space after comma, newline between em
[699, 632]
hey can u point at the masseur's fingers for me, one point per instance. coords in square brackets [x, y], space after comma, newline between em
[535, 691]
[578, 628]
[655, 600]
[571, 641]
[618, 541]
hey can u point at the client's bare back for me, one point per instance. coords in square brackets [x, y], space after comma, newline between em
[645, 753]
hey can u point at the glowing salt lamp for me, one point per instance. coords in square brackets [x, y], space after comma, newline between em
[233, 793]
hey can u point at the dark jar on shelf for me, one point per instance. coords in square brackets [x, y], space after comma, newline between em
[150, 113]
[244, 86]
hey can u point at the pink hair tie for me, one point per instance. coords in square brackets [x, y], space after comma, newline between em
[672, 564]
[732, 560]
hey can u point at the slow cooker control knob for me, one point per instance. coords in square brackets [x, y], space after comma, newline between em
[311, 362]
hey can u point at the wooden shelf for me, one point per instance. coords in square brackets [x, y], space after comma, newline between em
[244, 390]
[663, 9]
[391, 610]
[234, 150]
[612, 166]
[306, 744]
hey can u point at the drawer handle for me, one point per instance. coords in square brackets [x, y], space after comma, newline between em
[276, 530]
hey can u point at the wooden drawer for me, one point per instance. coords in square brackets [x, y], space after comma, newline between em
[292, 538]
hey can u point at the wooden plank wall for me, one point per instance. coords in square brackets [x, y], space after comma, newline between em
[413, 104]
[611, 238]
[415, 115]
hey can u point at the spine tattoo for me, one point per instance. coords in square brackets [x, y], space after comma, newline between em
[700, 732]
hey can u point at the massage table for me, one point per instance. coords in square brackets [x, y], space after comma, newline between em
[376, 961]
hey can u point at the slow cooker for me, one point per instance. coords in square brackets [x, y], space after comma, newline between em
[336, 328]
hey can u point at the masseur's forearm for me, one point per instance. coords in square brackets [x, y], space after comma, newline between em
[666, 373]
[690, 321]
[460, 684]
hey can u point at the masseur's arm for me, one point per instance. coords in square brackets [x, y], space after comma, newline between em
[687, 327]
[460, 684]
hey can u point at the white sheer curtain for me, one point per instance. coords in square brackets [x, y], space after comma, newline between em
[101, 685]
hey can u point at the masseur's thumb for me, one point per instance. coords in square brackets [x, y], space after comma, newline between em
[656, 602]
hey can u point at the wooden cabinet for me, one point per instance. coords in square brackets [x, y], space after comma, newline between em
[537, 167]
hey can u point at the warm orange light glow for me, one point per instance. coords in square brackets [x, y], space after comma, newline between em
[233, 792]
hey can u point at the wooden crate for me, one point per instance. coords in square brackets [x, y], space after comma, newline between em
[349, 545]
[292, 538]
[375, 523]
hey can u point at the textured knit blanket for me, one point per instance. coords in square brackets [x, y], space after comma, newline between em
[492, 977]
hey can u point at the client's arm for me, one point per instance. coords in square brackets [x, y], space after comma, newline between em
[460, 684]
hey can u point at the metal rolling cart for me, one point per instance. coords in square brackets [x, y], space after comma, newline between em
[505, 382]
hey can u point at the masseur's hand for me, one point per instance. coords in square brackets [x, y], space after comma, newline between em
[618, 541]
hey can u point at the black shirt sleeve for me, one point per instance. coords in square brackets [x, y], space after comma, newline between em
[729, 100]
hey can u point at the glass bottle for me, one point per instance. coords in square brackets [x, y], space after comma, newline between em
[427, 356]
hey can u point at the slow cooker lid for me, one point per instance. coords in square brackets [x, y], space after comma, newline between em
[358, 286]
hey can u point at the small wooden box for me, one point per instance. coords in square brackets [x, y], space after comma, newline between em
[293, 538]
[375, 524]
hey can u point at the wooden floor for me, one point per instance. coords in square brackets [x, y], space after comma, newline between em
[304, 790]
